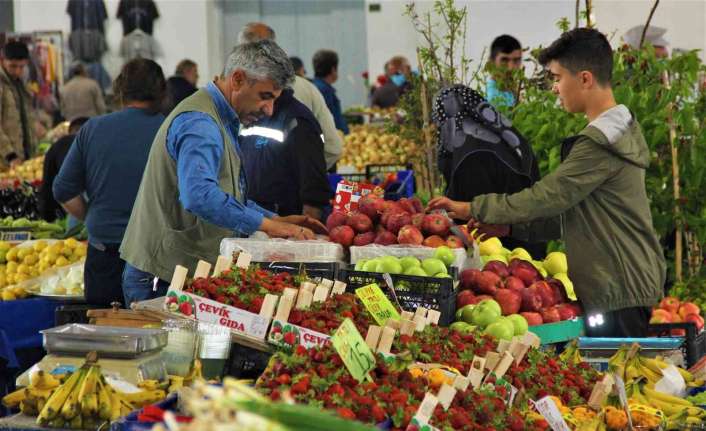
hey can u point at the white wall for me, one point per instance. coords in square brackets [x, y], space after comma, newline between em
[533, 22]
[181, 30]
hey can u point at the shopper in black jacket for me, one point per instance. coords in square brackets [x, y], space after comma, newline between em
[182, 84]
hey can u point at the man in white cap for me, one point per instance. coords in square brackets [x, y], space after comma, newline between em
[654, 36]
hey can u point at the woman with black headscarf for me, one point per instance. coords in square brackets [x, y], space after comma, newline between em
[480, 153]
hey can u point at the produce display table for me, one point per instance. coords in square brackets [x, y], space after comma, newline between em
[20, 323]
[20, 422]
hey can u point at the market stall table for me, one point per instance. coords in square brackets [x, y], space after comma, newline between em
[20, 422]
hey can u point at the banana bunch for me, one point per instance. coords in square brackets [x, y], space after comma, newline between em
[86, 399]
[571, 354]
[32, 398]
[674, 409]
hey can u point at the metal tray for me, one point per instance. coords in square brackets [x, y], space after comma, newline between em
[108, 341]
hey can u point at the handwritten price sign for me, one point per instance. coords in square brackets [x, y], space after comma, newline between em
[377, 304]
[351, 347]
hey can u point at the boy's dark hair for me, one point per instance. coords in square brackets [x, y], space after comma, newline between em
[15, 50]
[504, 44]
[141, 80]
[582, 49]
[324, 62]
[297, 63]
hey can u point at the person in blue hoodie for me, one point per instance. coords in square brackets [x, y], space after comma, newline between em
[505, 57]
[325, 75]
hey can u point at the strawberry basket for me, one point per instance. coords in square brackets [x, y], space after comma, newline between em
[326, 270]
[411, 291]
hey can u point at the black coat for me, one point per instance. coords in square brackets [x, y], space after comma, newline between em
[178, 89]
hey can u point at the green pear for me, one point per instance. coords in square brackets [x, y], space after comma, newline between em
[555, 263]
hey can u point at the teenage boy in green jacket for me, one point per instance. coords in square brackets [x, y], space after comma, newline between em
[597, 194]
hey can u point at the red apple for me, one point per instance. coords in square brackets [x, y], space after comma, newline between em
[464, 298]
[417, 220]
[434, 241]
[498, 268]
[335, 219]
[559, 291]
[488, 282]
[545, 292]
[363, 239]
[550, 315]
[532, 318]
[661, 316]
[397, 221]
[469, 277]
[435, 224]
[525, 271]
[407, 205]
[531, 301]
[360, 222]
[509, 300]
[410, 235]
[454, 242]
[368, 205]
[514, 283]
[566, 311]
[417, 204]
[342, 235]
[687, 308]
[670, 304]
[385, 238]
[576, 307]
[696, 319]
[676, 318]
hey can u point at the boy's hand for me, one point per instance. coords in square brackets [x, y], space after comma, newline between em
[455, 209]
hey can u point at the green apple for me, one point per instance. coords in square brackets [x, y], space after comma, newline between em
[458, 314]
[555, 263]
[371, 265]
[409, 262]
[462, 327]
[442, 275]
[360, 264]
[417, 271]
[445, 254]
[467, 313]
[486, 312]
[502, 330]
[519, 323]
[519, 253]
[490, 246]
[390, 265]
[434, 266]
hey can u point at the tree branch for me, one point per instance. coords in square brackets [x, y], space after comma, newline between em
[578, 14]
[647, 24]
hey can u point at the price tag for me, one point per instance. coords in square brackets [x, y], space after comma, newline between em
[549, 410]
[356, 355]
[377, 303]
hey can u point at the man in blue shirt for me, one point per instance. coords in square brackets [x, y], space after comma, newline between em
[505, 58]
[193, 193]
[325, 74]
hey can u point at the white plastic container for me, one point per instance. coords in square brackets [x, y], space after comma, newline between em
[282, 250]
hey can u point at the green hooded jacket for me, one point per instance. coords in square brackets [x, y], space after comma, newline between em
[598, 195]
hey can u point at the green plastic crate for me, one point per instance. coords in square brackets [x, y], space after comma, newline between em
[560, 331]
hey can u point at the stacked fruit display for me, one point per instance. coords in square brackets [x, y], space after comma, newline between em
[318, 377]
[81, 400]
[367, 145]
[539, 291]
[241, 288]
[692, 290]
[32, 259]
[437, 266]
[382, 222]
[489, 316]
[30, 171]
[671, 310]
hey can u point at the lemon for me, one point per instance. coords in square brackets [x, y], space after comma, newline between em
[56, 248]
[71, 243]
[22, 269]
[19, 278]
[40, 245]
[43, 266]
[34, 273]
[11, 267]
[4, 245]
[80, 252]
[67, 251]
[11, 255]
[61, 261]
[30, 259]
[7, 295]
[18, 292]
[52, 256]
[24, 251]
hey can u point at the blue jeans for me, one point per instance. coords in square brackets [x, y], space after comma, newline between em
[139, 285]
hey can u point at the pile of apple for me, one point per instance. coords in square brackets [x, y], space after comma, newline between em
[377, 221]
[488, 316]
[519, 286]
[437, 266]
[670, 310]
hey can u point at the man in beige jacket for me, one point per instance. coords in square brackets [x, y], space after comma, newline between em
[306, 93]
[81, 96]
[17, 141]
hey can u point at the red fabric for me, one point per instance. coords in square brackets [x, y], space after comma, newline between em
[155, 414]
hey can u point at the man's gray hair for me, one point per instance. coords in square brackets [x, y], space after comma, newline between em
[255, 32]
[261, 60]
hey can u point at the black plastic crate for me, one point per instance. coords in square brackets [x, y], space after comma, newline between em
[313, 269]
[73, 313]
[412, 291]
[694, 346]
[246, 362]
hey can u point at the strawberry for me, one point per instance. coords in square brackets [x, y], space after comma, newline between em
[186, 309]
[290, 338]
[345, 413]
